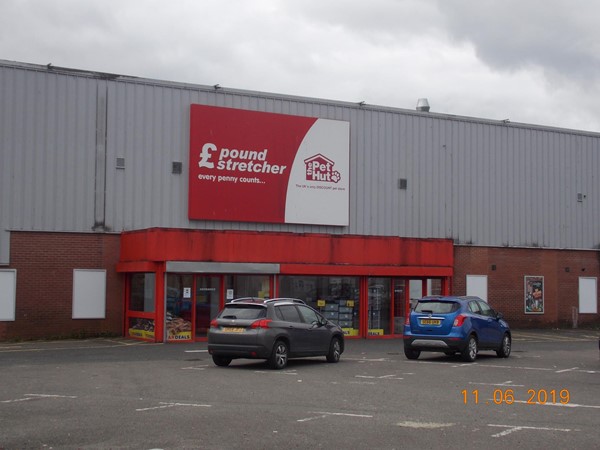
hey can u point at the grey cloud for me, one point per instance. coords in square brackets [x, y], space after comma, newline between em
[559, 36]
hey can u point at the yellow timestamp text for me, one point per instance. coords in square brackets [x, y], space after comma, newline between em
[507, 397]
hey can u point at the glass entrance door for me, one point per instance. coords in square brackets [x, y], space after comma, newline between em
[208, 302]
[400, 301]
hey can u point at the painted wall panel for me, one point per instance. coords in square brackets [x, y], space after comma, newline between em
[478, 182]
[48, 148]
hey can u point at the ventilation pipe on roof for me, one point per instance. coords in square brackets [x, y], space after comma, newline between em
[423, 105]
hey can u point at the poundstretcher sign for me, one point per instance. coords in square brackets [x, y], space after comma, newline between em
[248, 166]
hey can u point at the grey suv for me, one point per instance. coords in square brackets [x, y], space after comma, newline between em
[275, 329]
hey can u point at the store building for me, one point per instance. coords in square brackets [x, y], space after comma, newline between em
[138, 207]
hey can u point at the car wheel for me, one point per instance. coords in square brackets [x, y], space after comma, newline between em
[335, 351]
[412, 354]
[470, 352]
[279, 356]
[504, 350]
[221, 361]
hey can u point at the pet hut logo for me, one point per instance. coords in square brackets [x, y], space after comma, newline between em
[320, 168]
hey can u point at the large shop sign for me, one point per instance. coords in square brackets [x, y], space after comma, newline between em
[249, 166]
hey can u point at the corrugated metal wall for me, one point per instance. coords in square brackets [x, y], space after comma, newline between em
[478, 182]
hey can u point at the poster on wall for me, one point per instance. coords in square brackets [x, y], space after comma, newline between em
[249, 166]
[534, 295]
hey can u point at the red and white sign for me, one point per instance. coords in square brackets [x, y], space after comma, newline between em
[248, 166]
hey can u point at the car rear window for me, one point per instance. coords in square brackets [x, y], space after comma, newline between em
[436, 307]
[244, 312]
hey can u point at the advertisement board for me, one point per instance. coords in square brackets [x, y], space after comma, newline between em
[249, 166]
[534, 295]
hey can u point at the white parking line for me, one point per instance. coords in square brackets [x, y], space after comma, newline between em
[172, 405]
[277, 372]
[34, 396]
[496, 366]
[566, 405]
[382, 377]
[523, 336]
[572, 369]
[428, 425]
[322, 415]
[196, 351]
[50, 396]
[567, 370]
[81, 347]
[16, 400]
[195, 368]
[505, 384]
[512, 428]
[362, 360]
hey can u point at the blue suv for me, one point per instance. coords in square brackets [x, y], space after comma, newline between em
[453, 325]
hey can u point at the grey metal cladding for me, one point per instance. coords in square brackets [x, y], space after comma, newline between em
[476, 181]
[47, 129]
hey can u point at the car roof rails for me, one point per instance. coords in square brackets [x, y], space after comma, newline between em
[285, 299]
[248, 300]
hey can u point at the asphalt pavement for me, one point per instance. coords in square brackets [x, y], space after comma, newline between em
[118, 393]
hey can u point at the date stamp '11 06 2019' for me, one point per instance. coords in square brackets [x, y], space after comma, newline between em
[507, 397]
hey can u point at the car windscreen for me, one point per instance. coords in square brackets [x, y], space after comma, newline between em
[436, 307]
[243, 312]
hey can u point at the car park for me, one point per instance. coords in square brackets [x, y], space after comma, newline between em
[452, 324]
[272, 329]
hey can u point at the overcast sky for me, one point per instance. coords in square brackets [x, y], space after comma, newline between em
[532, 61]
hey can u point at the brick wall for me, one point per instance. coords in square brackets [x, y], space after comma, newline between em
[506, 282]
[44, 264]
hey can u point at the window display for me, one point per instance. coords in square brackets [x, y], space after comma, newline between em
[178, 321]
[141, 306]
[208, 296]
[247, 286]
[337, 298]
[379, 306]
[141, 328]
[141, 296]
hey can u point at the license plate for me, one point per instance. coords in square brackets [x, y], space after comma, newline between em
[233, 330]
[430, 321]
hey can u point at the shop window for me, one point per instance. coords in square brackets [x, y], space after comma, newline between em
[337, 298]
[415, 289]
[399, 304]
[141, 328]
[247, 286]
[379, 306]
[434, 286]
[208, 301]
[141, 296]
[179, 307]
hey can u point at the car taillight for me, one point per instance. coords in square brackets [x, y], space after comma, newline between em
[407, 320]
[460, 319]
[214, 324]
[262, 323]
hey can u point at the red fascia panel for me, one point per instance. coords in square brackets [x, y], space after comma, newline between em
[374, 271]
[137, 266]
[159, 244]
